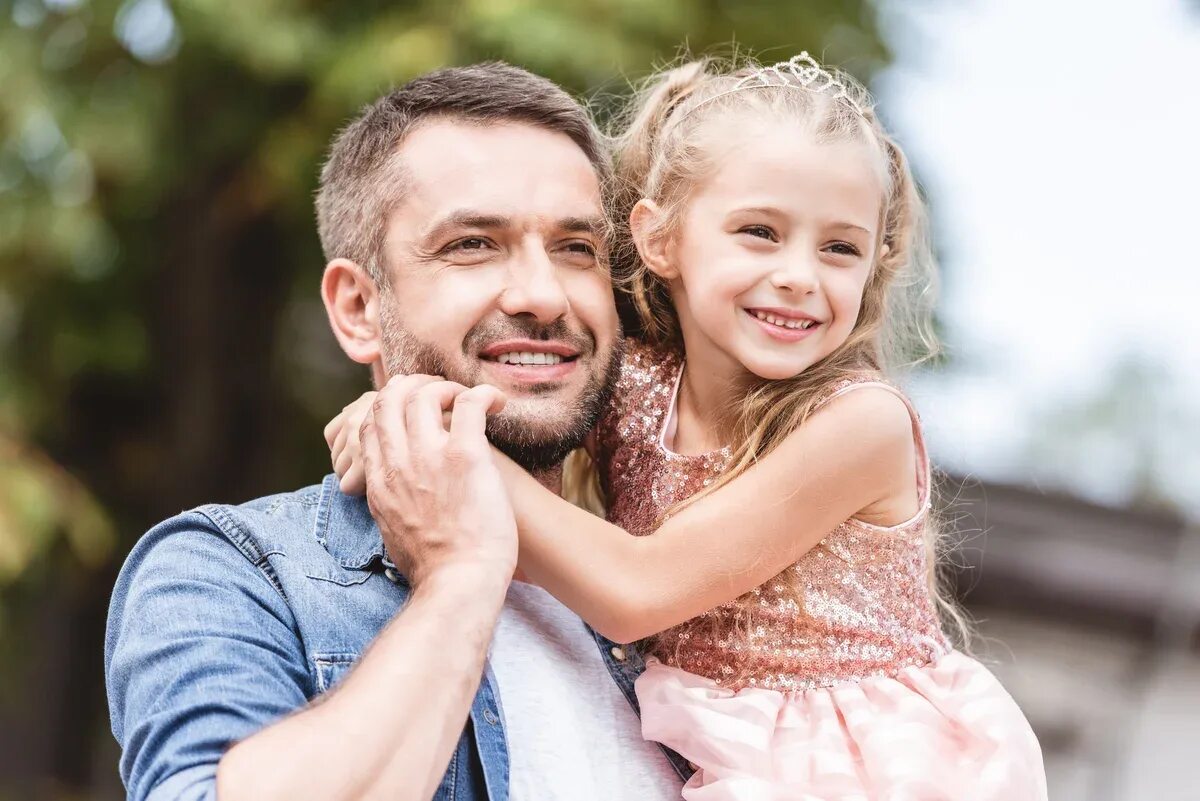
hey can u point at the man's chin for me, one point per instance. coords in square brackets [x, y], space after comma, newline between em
[539, 433]
[535, 457]
[534, 450]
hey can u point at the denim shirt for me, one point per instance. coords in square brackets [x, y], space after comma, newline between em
[226, 618]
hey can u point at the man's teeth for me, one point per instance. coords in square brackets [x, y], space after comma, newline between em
[783, 321]
[525, 357]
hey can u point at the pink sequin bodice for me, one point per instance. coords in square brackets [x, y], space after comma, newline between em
[866, 607]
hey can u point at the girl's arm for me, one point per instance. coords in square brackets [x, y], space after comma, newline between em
[854, 453]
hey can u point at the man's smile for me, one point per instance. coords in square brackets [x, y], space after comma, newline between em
[528, 361]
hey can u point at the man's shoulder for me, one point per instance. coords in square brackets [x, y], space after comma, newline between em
[287, 522]
[270, 523]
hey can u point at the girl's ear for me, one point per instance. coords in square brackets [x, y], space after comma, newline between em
[655, 250]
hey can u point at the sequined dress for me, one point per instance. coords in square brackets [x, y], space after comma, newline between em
[853, 693]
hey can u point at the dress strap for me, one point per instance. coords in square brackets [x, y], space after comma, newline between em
[924, 470]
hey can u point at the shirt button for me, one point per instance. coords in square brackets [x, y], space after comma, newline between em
[392, 575]
[490, 717]
[618, 653]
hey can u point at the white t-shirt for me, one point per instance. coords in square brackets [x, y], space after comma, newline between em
[572, 735]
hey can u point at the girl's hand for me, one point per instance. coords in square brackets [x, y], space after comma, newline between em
[345, 451]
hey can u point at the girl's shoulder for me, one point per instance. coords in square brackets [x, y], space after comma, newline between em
[866, 379]
[646, 370]
[881, 413]
[640, 396]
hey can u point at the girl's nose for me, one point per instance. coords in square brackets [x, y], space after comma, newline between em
[799, 276]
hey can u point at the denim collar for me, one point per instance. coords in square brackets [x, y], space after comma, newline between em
[345, 527]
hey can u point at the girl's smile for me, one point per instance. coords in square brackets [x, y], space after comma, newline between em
[783, 324]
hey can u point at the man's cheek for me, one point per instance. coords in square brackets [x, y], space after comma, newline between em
[597, 311]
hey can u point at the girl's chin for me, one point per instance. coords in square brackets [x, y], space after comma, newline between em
[775, 369]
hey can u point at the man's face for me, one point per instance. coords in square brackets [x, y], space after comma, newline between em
[496, 275]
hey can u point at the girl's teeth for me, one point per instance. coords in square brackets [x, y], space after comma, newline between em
[783, 322]
[525, 357]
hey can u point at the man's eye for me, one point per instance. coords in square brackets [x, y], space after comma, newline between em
[760, 231]
[470, 243]
[581, 247]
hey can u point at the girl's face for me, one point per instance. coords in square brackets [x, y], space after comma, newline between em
[768, 264]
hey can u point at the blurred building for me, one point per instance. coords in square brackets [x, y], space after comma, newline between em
[1089, 616]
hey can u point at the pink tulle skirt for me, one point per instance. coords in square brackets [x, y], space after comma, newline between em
[946, 731]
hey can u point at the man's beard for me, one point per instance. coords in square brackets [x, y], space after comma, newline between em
[532, 444]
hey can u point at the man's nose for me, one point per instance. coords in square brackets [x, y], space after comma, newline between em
[534, 287]
[797, 274]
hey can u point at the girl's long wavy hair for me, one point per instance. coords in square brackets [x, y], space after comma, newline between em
[661, 149]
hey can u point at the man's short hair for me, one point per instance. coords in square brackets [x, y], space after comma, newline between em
[362, 182]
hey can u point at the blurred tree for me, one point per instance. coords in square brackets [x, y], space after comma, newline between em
[161, 339]
[1129, 441]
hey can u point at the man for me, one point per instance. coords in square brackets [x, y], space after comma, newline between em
[311, 646]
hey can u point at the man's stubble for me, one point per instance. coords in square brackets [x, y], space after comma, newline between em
[529, 439]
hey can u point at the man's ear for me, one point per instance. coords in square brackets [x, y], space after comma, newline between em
[644, 222]
[351, 300]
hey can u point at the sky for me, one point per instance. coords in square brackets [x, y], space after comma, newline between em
[1059, 143]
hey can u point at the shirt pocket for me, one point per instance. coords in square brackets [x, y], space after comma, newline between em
[337, 575]
[331, 669]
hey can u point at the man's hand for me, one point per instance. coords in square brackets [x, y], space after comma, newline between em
[436, 494]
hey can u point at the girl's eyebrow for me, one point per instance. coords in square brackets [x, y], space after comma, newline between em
[768, 210]
[852, 227]
[771, 211]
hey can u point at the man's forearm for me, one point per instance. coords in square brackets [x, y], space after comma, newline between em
[395, 720]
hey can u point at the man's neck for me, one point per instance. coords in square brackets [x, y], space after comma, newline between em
[551, 478]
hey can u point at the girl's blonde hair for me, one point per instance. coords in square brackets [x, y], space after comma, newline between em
[661, 153]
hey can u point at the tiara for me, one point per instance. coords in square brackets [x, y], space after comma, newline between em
[798, 72]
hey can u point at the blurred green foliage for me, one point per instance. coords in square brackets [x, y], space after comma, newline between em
[161, 343]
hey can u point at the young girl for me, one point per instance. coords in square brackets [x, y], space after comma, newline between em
[777, 262]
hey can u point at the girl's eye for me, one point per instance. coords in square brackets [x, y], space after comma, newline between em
[844, 249]
[760, 231]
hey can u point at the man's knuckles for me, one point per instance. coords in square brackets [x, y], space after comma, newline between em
[459, 457]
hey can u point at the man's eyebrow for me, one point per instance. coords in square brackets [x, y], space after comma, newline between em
[584, 225]
[466, 218]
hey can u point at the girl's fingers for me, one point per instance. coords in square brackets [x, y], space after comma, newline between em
[354, 482]
[338, 431]
[334, 427]
[346, 460]
[340, 442]
[370, 453]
